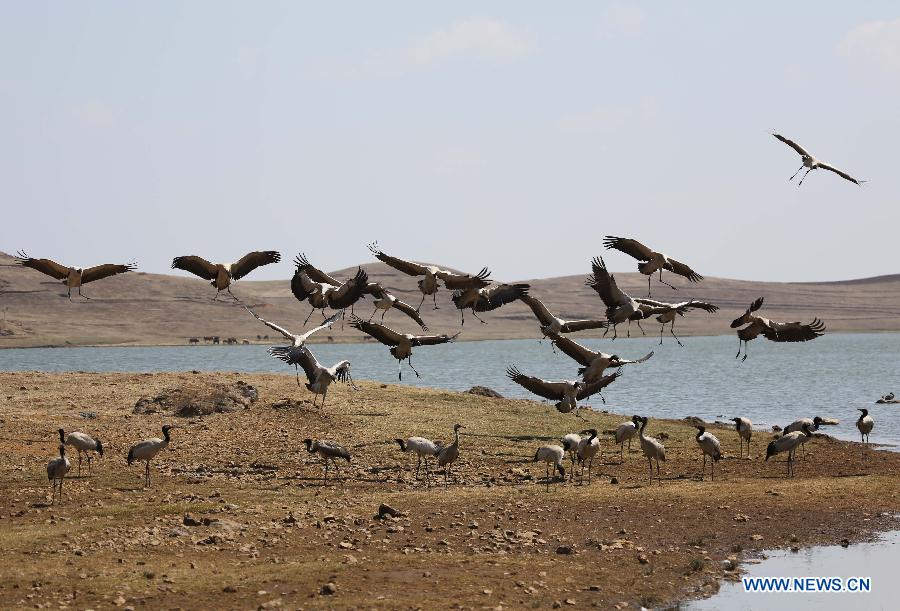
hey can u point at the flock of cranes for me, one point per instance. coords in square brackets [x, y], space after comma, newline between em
[479, 294]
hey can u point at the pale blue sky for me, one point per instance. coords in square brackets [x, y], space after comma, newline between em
[508, 134]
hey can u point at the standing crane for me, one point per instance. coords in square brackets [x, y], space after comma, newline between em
[744, 429]
[865, 424]
[551, 455]
[624, 432]
[83, 443]
[148, 449]
[652, 449]
[588, 448]
[709, 446]
[329, 451]
[448, 455]
[56, 471]
[788, 443]
[422, 448]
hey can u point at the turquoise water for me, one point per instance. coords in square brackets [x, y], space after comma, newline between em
[831, 376]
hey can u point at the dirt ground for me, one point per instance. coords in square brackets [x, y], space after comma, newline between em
[237, 516]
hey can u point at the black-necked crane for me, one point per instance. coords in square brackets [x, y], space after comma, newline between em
[788, 442]
[797, 425]
[620, 307]
[73, 277]
[771, 330]
[744, 429]
[429, 284]
[709, 446]
[330, 452]
[422, 448]
[570, 443]
[448, 454]
[811, 163]
[318, 377]
[593, 364]
[385, 300]
[401, 344]
[650, 261]
[553, 325]
[56, 471]
[298, 340]
[652, 449]
[551, 455]
[588, 448]
[322, 290]
[487, 299]
[668, 311]
[221, 275]
[625, 432]
[148, 449]
[82, 442]
[864, 424]
[567, 393]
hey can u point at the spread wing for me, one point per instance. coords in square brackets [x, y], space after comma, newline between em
[102, 271]
[45, 266]
[411, 312]
[301, 356]
[549, 390]
[682, 270]
[755, 305]
[643, 359]
[590, 389]
[802, 151]
[605, 284]
[325, 325]
[702, 305]
[386, 336]
[497, 296]
[407, 267]
[544, 316]
[375, 289]
[251, 261]
[841, 173]
[349, 292]
[315, 274]
[454, 281]
[271, 325]
[431, 340]
[581, 354]
[629, 247]
[794, 331]
[196, 265]
[581, 325]
[302, 286]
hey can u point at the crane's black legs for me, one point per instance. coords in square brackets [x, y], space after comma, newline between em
[409, 360]
[672, 331]
[308, 317]
[666, 283]
[373, 314]
[382, 315]
[434, 299]
[421, 302]
[795, 173]
[81, 295]
[478, 317]
[804, 177]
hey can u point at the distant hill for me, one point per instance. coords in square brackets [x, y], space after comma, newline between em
[156, 309]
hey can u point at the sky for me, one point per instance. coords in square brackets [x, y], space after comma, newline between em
[513, 135]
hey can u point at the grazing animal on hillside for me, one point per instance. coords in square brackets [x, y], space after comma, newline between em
[73, 277]
[567, 393]
[329, 451]
[865, 424]
[401, 344]
[624, 432]
[788, 442]
[771, 330]
[649, 261]
[486, 299]
[221, 275]
[423, 448]
[744, 429]
[551, 455]
[593, 364]
[148, 449]
[448, 455]
[811, 163]
[83, 443]
[652, 449]
[56, 471]
[709, 446]
[429, 284]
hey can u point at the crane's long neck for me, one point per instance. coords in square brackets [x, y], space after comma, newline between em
[62, 434]
[700, 432]
[641, 430]
[456, 437]
[863, 414]
[166, 436]
[592, 437]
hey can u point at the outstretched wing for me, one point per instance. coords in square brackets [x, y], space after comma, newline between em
[497, 296]
[802, 151]
[386, 336]
[755, 305]
[605, 284]
[582, 325]
[643, 359]
[411, 312]
[629, 247]
[840, 173]
[315, 274]
[251, 261]
[702, 305]
[196, 265]
[271, 325]
[549, 390]
[325, 325]
[349, 292]
[454, 281]
[407, 267]
[45, 266]
[682, 270]
[543, 314]
[581, 354]
[301, 356]
[794, 331]
[302, 286]
[590, 389]
[432, 340]
[102, 271]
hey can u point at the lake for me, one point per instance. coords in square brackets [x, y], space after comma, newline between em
[830, 377]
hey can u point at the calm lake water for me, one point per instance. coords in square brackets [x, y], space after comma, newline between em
[778, 383]
[875, 560]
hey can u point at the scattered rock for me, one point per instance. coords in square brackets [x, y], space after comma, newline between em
[756, 537]
[642, 558]
[229, 589]
[845, 543]
[386, 510]
[565, 550]
[189, 520]
[484, 391]
[328, 589]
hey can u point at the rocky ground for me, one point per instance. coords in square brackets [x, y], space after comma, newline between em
[237, 516]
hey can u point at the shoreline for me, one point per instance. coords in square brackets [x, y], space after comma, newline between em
[492, 529]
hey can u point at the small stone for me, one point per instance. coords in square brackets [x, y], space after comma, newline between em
[570, 601]
[190, 520]
[845, 543]
[614, 480]
[328, 589]
[642, 558]
[487, 592]
[565, 550]
[229, 589]
[386, 510]
[756, 537]
[119, 601]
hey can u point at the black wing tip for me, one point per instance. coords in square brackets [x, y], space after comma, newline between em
[273, 256]
[21, 258]
[513, 372]
[373, 248]
[301, 261]
[598, 262]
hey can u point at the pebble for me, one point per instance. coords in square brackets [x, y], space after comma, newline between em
[328, 589]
